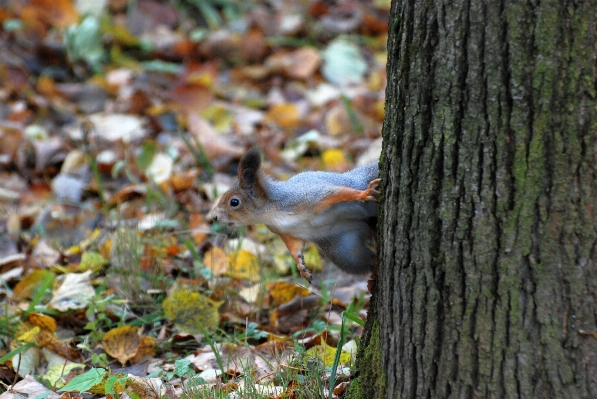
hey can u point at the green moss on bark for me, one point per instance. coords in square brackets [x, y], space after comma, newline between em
[370, 370]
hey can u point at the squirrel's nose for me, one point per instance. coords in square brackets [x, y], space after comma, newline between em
[215, 218]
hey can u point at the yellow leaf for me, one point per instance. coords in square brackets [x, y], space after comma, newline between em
[282, 292]
[334, 159]
[244, 265]
[28, 286]
[312, 258]
[327, 354]
[191, 311]
[76, 249]
[92, 261]
[122, 343]
[29, 336]
[56, 372]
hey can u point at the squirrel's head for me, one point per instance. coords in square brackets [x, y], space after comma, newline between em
[246, 200]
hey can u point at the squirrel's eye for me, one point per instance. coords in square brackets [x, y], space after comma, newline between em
[234, 202]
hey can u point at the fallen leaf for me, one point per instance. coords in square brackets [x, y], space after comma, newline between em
[216, 260]
[337, 121]
[327, 354]
[343, 63]
[122, 343]
[334, 160]
[26, 362]
[31, 283]
[56, 372]
[303, 63]
[146, 349]
[47, 339]
[214, 145]
[42, 321]
[57, 13]
[244, 265]
[285, 115]
[160, 168]
[191, 311]
[74, 293]
[191, 97]
[112, 127]
[29, 387]
[282, 292]
[146, 388]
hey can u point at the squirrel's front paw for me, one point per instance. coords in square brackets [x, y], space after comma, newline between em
[368, 194]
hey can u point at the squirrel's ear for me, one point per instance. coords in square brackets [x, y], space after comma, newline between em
[248, 172]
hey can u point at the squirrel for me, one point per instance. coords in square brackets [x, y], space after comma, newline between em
[333, 210]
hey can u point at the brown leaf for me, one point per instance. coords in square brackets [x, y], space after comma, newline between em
[214, 145]
[146, 388]
[42, 321]
[191, 97]
[49, 341]
[29, 387]
[146, 349]
[122, 343]
[337, 121]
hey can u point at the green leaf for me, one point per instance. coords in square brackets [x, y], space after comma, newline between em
[85, 381]
[181, 367]
[84, 42]
[148, 150]
[111, 388]
[353, 317]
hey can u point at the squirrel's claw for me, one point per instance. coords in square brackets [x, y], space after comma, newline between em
[302, 268]
[371, 191]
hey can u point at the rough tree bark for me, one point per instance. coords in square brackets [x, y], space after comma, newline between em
[488, 279]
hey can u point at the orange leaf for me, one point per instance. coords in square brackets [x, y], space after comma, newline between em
[199, 228]
[42, 321]
[57, 13]
[284, 115]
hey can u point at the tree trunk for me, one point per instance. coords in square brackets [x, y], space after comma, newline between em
[487, 284]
